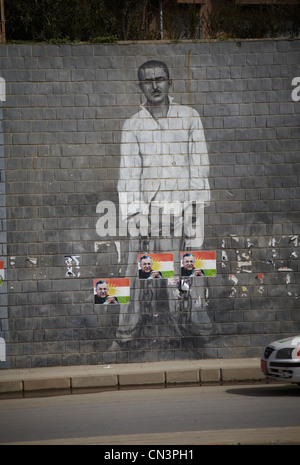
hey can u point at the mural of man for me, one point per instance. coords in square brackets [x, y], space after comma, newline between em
[164, 160]
[163, 152]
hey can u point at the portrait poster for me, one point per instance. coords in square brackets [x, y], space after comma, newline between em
[155, 265]
[111, 291]
[198, 263]
[1, 272]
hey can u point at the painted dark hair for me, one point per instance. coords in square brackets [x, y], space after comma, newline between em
[145, 256]
[101, 282]
[152, 64]
[187, 255]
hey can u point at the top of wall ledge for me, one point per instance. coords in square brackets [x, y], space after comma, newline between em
[80, 48]
[145, 42]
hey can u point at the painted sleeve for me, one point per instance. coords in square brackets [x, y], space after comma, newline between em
[198, 161]
[129, 173]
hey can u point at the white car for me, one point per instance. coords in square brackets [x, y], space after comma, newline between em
[281, 360]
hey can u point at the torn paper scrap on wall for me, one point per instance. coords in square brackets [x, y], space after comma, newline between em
[233, 292]
[261, 290]
[31, 261]
[118, 247]
[249, 243]
[224, 258]
[233, 278]
[261, 277]
[2, 350]
[73, 265]
[245, 264]
[2, 90]
[294, 239]
[272, 242]
[97, 245]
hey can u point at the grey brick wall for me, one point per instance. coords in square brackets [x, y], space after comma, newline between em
[3, 250]
[61, 122]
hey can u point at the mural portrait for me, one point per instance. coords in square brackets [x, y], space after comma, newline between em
[163, 188]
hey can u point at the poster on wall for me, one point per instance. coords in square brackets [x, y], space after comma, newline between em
[156, 266]
[2, 350]
[198, 263]
[1, 272]
[111, 291]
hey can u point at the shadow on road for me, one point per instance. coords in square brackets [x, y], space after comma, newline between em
[278, 390]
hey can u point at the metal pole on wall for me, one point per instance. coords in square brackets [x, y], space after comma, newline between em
[161, 19]
[3, 34]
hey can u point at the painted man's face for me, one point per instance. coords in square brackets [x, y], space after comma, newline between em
[146, 265]
[155, 85]
[102, 290]
[189, 263]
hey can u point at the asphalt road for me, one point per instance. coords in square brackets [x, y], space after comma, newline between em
[241, 414]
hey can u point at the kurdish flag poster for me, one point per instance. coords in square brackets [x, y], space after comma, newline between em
[198, 263]
[1, 272]
[111, 291]
[155, 265]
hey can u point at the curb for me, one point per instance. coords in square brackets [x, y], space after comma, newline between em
[37, 386]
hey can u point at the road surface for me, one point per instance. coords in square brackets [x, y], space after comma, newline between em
[241, 414]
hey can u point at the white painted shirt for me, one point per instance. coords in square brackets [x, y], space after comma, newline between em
[163, 160]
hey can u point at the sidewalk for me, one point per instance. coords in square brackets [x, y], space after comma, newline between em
[35, 382]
